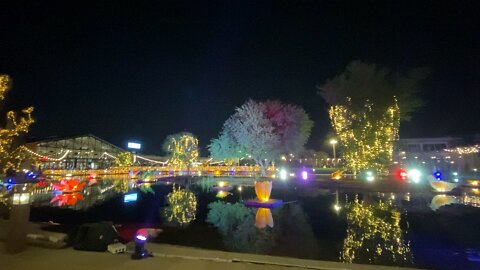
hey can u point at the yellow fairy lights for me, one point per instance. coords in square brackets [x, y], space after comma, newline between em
[47, 157]
[182, 206]
[464, 150]
[374, 233]
[124, 159]
[366, 136]
[183, 149]
[11, 156]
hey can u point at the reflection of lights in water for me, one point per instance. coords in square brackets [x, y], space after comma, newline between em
[222, 194]
[374, 235]
[67, 198]
[441, 200]
[263, 218]
[182, 206]
[471, 200]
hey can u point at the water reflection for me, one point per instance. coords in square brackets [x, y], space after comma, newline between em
[181, 206]
[236, 224]
[263, 218]
[441, 200]
[374, 235]
[252, 230]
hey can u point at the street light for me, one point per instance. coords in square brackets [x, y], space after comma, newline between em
[333, 142]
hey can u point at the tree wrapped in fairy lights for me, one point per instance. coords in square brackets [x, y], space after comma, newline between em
[366, 106]
[11, 152]
[374, 235]
[182, 149]
[124, 159]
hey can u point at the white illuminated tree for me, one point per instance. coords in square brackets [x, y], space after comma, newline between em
[264, 131]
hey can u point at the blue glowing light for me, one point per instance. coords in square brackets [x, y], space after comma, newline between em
[438, 175]
[8, 187]
[10, 180]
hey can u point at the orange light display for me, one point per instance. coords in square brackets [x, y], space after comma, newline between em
[263, 190]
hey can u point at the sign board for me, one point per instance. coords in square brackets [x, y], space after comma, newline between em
[132, 145]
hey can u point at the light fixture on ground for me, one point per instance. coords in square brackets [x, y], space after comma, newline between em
[414, 175]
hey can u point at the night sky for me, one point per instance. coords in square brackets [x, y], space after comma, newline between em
[144, 70]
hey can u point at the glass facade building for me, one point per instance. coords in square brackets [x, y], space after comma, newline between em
[76, 152]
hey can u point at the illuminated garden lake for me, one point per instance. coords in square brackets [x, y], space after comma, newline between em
[414, 228]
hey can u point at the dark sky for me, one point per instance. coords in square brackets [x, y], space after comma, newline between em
[144, 70]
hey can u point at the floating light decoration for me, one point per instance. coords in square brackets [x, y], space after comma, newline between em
[337, 175]
[263, 190]
[442, 186]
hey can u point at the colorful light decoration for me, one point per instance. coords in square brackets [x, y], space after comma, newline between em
[69, 185]
[367, 140]
[263, 190]
[438, 175]
[12, 156]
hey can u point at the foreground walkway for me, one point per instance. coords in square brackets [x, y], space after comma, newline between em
[166, 257]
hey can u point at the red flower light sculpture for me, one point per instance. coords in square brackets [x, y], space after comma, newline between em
[68, 192]
[69, 185]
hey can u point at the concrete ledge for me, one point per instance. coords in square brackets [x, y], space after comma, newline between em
[190, 253]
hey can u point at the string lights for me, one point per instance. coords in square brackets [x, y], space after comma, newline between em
[183, 149]
[464, 150]
[124, 159]
[367, 136]
[47, 157]
[11, 155]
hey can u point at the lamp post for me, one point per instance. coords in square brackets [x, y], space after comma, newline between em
[333, 142]
[16, 238]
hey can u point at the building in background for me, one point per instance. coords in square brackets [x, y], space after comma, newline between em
[75, 152]
[451, 155]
